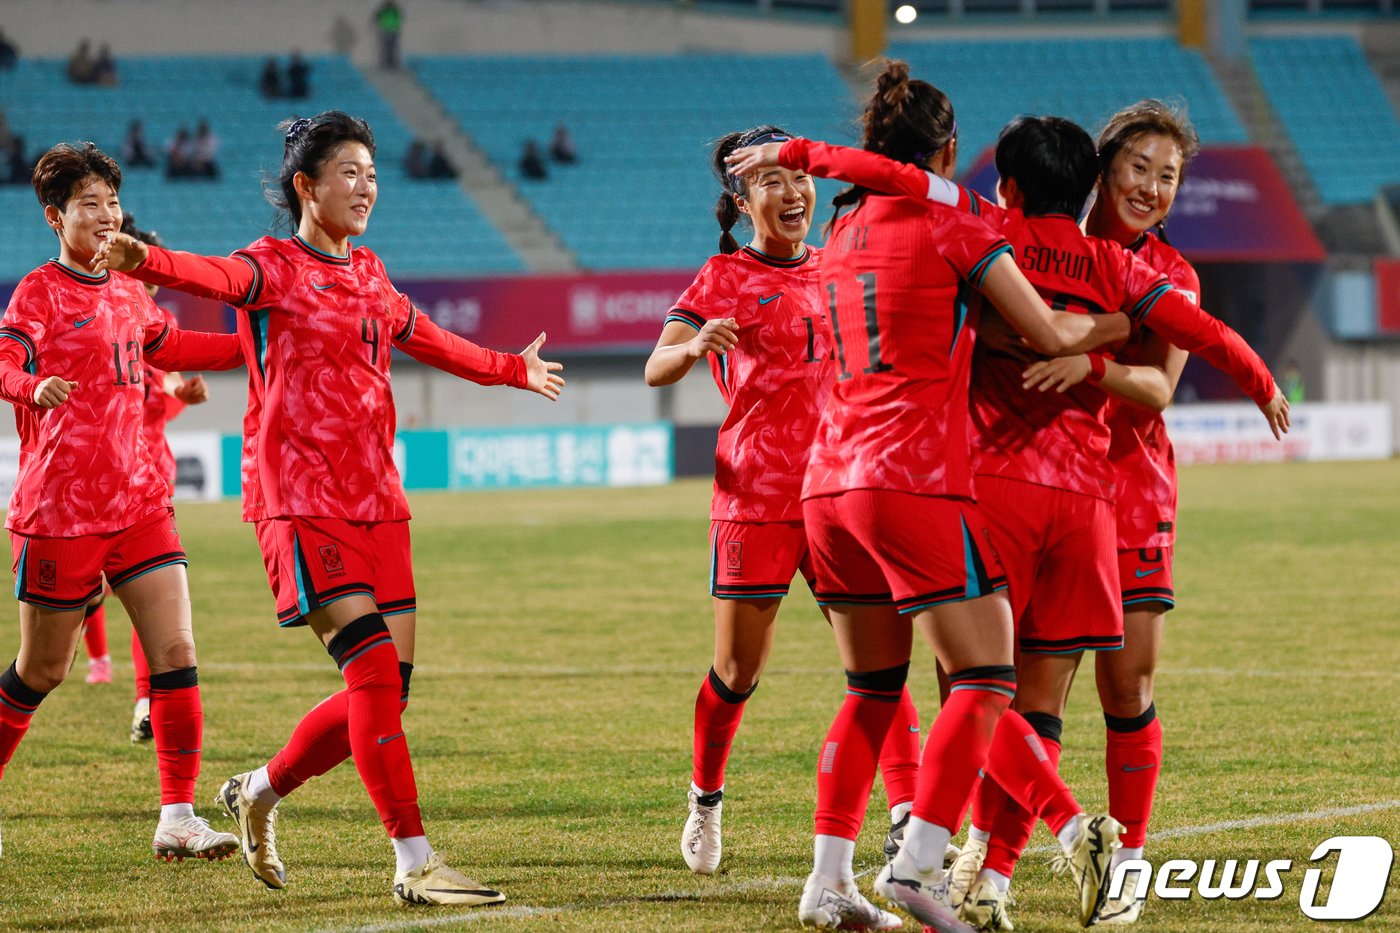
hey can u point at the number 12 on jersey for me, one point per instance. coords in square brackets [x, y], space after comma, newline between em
[871, 322]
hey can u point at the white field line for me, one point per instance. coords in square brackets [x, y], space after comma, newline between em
[487, 914]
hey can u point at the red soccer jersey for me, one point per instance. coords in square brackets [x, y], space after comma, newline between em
[316, 331]
[775, 380]
[84, 466]
[900, 274]
[1144, 466]
[157, 409]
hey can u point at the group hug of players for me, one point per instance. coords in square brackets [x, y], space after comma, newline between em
[949, 419]
[980, 473]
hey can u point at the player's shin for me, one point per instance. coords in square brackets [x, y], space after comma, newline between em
[17, 705]
[177, 721]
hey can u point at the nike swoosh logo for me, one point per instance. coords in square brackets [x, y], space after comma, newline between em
[386, 739]
[1149, 573]
[914, 729]
[321, 288]
[1130, 769]
[190, 751]
[85, 321]
[770, 299]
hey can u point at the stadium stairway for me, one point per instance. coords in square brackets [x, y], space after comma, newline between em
[479, 179]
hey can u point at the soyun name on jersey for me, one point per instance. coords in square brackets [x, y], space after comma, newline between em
[1358, 880]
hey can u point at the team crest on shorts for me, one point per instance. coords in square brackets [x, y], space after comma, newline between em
[48, 574]
[330, 559]
[734, 556]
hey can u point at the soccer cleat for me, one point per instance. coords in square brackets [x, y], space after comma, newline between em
[1087, 862]
[831, 905]
[434, 883]
[257, 830]
[700, 842]
[192, 837]
[99, 670]
[923, 894]
[894, 839]
[985, 908]
[141, 724]
[1119, 911]
[963, 875]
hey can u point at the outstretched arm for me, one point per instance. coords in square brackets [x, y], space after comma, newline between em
[427, 343]
[844, 163]
[224, 279]
[171, 348]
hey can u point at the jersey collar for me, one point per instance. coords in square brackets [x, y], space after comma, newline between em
[328, 258]
[774, 261]
[84, 278]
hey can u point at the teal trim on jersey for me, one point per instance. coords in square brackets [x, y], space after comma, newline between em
[19, 570]
[397, 612]
[319, 252]
[679, 319]
[960, 309]
[1169, 603]
[303, 604]
[979, 271]
[1149, 301]
[31, 366]
[257, 321]
[790, 261]
[170, 563]
[94, 279]
[974, 206]
[724, 370]
[973, 588]
[714, 560]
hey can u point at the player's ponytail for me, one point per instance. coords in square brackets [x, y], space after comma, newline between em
[727, 206]
[306, 145]
[906, 119]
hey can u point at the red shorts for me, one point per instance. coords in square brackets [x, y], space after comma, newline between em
[1060, 551]
[757, 560]
[66, 573]
[876, 546]
[1146, 576]
[312, 562]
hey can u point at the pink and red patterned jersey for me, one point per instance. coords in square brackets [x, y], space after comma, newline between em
[775, 380]
[316, 331]
[157, 409]
[1144, 465]
[84, 466]
[901, 275]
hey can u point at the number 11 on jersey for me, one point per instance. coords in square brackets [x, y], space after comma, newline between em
[872, 327]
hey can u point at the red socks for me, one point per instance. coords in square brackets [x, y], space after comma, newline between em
[95, 631]
[1024, 784]
[1134, 762]
[959, 741]
[321, 740]
[177, 720]
[846, 766]
[143, 670]
[717, 713]
[17, 705]
[365, 654]
[899, 756]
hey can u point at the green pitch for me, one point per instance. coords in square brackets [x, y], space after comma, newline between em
[562, 637]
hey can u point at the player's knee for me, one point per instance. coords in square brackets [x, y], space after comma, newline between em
[886, 681]
[1127, 693]
[43, 675]
[739, 676]
[732, 688]
[173, 656]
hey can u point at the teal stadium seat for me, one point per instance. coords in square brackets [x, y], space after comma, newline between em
[641, 195]
[1335, 112]
[423, 228]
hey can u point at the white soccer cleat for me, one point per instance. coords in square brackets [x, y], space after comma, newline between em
[831, 905]
[985, 908]
[700, 840]
[1119, 911]
[1088, 860]
[192, 837]
[434, 883]
[141, 723]
[923, 894]
[257, 830]
[963, 874]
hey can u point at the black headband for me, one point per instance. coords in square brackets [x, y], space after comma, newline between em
[736, 183]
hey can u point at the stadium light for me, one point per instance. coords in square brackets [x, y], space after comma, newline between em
[906, 14]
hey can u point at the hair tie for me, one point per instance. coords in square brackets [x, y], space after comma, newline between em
[296, 128]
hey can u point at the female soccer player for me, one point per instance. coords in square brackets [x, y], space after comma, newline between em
[1144, 151]
[318, 321]
[758, 314]
[894, 530]
[88, 499]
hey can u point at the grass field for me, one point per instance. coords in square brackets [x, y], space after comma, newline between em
[562, 638]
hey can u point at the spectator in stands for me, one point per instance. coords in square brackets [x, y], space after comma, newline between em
[561, 146]
[136, 152]
[9, 53]
[5, 133]
[415, 160]
[388, 21]
[532, 162]
[15, 169]
[104, 69]
[438, 166]
[179, 154]
[270, 81]
[298, 77]
[343, 35]
[81, 67]
[1292, 383]
[204, 151]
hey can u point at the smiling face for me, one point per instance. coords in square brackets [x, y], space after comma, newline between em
[339, 202]
[1140, 185]
[779, 202]
[91, 215]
